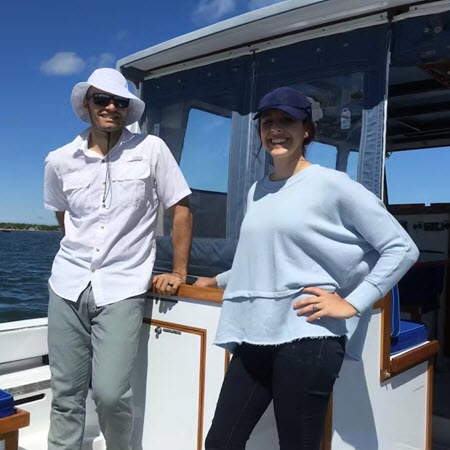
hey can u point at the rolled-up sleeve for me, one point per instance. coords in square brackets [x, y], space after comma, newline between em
[54, 198]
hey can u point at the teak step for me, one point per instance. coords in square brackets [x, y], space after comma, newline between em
[9, 428]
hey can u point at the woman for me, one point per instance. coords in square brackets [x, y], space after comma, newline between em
[315, 249]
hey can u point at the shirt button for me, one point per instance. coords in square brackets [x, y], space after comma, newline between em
[103, 182]
[97, 249]
[102, 227]
[92, 270]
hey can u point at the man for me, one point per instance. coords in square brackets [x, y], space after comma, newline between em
[105, 188]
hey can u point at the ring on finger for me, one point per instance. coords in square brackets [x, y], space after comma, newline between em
[170, 284]
[314, 307]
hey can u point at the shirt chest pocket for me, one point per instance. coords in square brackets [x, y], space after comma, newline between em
[130, 183]
[77, 188]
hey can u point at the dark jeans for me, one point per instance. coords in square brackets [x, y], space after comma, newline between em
[298, 376]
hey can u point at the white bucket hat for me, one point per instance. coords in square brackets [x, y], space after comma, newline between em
[108, 80]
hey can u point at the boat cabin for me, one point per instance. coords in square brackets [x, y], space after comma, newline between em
[378, 76]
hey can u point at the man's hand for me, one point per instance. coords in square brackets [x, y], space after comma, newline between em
[167, 283]
[324, 304]
[206, 282]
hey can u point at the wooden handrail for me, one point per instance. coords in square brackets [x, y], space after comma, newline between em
[413, 357]
[19, 419]
[200, 293]
[191, 292]
[9, 428]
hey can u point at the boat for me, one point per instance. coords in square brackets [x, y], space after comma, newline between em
[378, 75]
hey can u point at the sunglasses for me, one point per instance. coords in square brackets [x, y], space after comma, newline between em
[100, 99]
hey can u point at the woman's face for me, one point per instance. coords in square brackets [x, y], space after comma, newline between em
[281, 134]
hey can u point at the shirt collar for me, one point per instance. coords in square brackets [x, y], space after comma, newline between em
[82, 141]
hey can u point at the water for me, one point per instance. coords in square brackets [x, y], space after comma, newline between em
[25, 262]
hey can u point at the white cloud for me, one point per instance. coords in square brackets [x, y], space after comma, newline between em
[63, 63]
[210, 11]
[69, 63]
[256, 4]
[102, 60]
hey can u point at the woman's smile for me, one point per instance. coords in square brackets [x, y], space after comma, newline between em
[278, 141]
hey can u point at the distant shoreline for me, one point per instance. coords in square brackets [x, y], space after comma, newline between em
[7, 226]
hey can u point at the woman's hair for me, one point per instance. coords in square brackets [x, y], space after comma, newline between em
[310, 127]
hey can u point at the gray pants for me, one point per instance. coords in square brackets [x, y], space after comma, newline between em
[87, 341]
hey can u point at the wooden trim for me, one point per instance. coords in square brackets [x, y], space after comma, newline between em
[204, 294]
[389, 367]
[414, 357]
[327, 436]
[379, 304]
[176, 326]
[200, 293]
[11, 440]
[429, 418]
[227, 360]
[385, 350]
[201, 395]
[11, 423]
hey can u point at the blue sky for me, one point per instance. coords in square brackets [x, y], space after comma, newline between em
[48, 46]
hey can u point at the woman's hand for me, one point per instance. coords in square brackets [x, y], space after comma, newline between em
[206, 282]
[324, 304]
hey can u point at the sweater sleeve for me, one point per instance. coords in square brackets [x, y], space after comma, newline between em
[367, 215]
[222, 279]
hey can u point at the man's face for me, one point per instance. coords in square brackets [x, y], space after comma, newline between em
[106, 118]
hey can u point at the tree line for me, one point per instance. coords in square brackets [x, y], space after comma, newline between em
[27, 227]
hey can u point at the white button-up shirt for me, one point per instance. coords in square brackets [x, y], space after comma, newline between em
[111, 206]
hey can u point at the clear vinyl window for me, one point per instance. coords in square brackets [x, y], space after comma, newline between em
[206, 169]
[195, 112]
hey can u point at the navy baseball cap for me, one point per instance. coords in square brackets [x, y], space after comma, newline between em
[286, 99]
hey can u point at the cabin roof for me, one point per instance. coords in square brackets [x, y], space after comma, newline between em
[419, 113]
[290, 16]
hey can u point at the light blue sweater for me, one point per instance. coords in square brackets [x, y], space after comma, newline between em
[317, 228]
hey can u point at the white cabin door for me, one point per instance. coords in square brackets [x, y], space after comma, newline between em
[169, 402]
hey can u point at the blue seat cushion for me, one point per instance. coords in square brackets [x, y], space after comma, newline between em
[6, 404]
[395, 312]
[410, 335]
